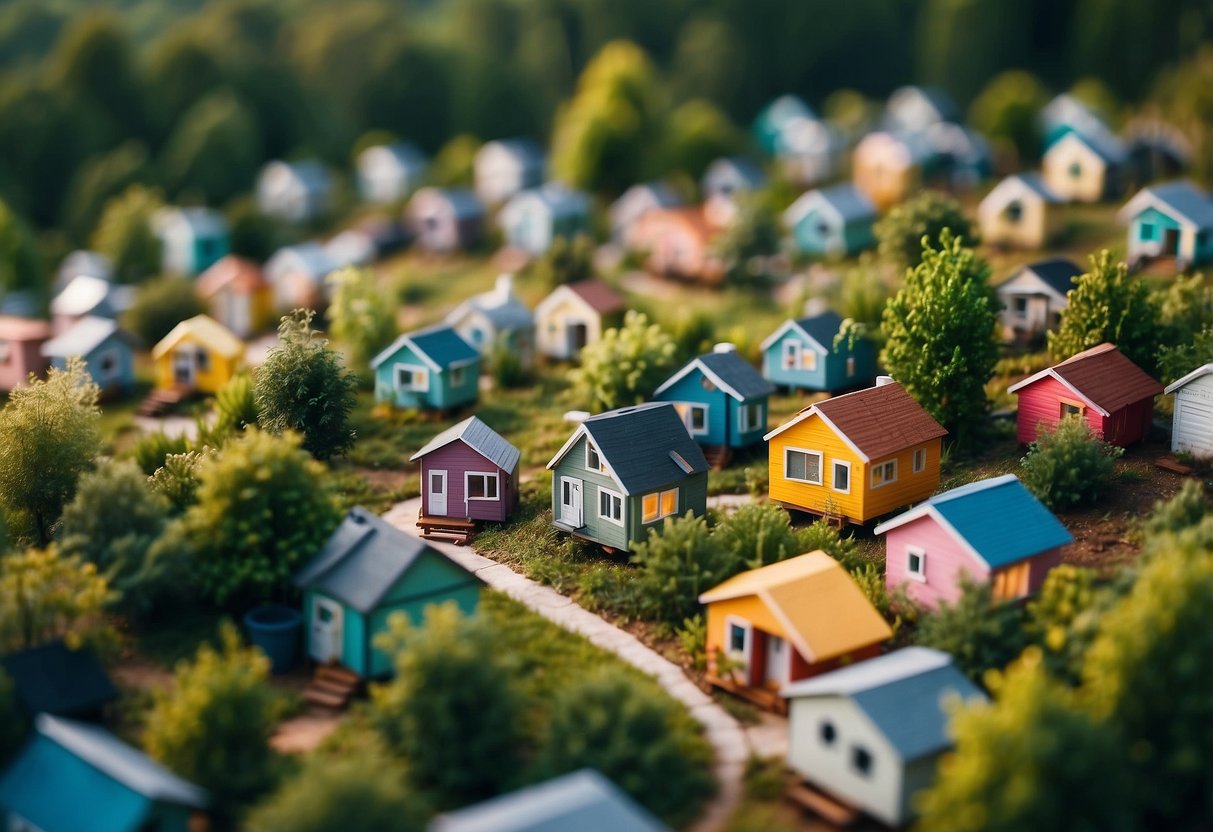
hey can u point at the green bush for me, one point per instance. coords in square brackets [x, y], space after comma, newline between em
[756, 535]
[177, 479]
[678, 563]
[151, 450]
[980, 633]
[900, 233]
[1186, 509]
[160, 305]
[1069, 466]
[625, 365]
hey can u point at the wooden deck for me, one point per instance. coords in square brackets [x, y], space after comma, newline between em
[452, 529]
[159, 402]
[765, 698]
[821, 804]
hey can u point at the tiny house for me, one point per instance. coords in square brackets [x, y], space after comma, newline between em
[88, 295]
[1067, 114]
[199, 354]
[635, 202]
[388, 173]
[913, 109]
[445, 219]
[677, 242]
[469, 471]
[721, 398]
[993, 531]
[832, 222]
[1101, 386]
[887, 167]
[575, 315]
[1192, 427]
[535, 218]
[506, 167]
[21, 341]
[297, 192]
[497, 319]
[430, 369]
[810, 151]
[623, 471]
[367, 572]
[1085, 167]
[105, 348]
[237, 295]
[802, 355]
[1020, 212]
[773, 120]
[1174, 220]
[191, 239]
[296, 276]
[1034, 297]
[729, 178]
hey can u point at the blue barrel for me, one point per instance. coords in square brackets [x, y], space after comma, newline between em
[276, 631]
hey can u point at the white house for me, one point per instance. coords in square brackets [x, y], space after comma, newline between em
[504, 167]
[1192, 427]
[1173, 219]
[1034, 297]
[913, 109]
[533, 219]
[1085, 167]
[870, 735]
[637, 201]
[86, 296]
[390, 172]
[296, 275]
[1020, 212]
[191, 239]
[496, 318]
[810, 150]
[294, 191]
[574, 315]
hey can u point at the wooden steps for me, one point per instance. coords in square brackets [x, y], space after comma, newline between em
[767, 699]
[159, 402]
[821, 804]
[451, 529]
[718, 456]
[332, 686]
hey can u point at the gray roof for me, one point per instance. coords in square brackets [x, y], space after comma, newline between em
[129, 766]
[406, 154]
[731, 371]
[312, 173]
[81, 338]
[822, 327]
[362, 561]
[1037, 184]
[583, 801]
[201, 222]
[463, 201]
[638, 443]
[500, 305]
[525, 150]
[1103, 142]
[746, 170]
[1185, 199]
[1057, 272]
[440, 344]
[903, 693]
[85, 294]
[850, 203]
[480, 438]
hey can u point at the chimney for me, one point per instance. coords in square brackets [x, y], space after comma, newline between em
[725, 346]
[815, 306]
[576, 416]
[505, 286]
[881, 381]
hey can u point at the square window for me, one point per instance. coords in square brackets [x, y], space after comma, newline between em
[808, 360]
[1070, 409]
[1075, 170]
[1147, 231]
[413, 379]
[6, 352]
[802, 466]
[458, 376]
[920, 460]
[203, 359]
[610, 506]
[1020, 305]
[482, 486]
[1014, 211]
[698, 418]
[861, 760]
[842, 476]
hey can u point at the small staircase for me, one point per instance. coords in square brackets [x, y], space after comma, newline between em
[331, 687]
[159, 402]
[718, 456]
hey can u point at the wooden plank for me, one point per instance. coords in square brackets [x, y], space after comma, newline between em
[445, 522]
[337, 673]
[325, 698]
[1170, 463]
[821, 804]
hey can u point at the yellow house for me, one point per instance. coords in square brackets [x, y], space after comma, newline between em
[199, 354]
[857, 456]
[785, 622]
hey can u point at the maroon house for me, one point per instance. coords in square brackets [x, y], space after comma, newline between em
[1111, 394]
[469, 472]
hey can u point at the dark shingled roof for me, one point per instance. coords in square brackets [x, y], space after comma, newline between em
[637, 442]
[822, 328]
[480, 438]
[1058, 272]
[440, 344]
[363, 560]
[881, 420]
[738, 373]
[1103, 376]
[56, 680]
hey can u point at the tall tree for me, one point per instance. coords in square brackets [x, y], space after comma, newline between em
[900, 232]
[125, 235]
[1007, 111]
[215, 151]
[20, 261]
[99, 179]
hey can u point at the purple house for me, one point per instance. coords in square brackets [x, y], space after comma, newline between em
[469, 472]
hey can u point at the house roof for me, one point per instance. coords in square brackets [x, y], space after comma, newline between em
[559, 199]
[363, 560]
[205, 329]
[524, 149]
[54, 679]
[692, 217]
[439, 346]
[820, 329]
[641, 446]
[1066, 110]
[823, 611]
[875, 422]
[1182, 199]
[311, 256]
[728, 371]
[241, 274]
[598, 295]
[784, 109]
[904, 693]
[744, 169]
[406, 154]
[845, 200]
[1199, 372]
[84, 293]
[463, 202]
[584, 801]
[906, 103]
[81, 338]
[480, 438]
[1057, 273]
[997, 519]
[1100, 140]
[312, 174]
[500, 305]
[83, 261]
[1031, 181]
[200, 222]
[1102, 376]
[1154, 135]
[13, 328]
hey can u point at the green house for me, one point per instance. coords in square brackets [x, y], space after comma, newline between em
[625, 471]
[367, 571]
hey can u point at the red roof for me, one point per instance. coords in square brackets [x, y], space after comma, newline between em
[881, 420]
[13, 328]
[244, 276]
[600, 296]
[1103, 376]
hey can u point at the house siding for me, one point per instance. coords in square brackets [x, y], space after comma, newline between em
[440, 395]
[831, 372]
[123, 375]
[553, 322]
[692, 496]
[605, 532]
[1095, 180]
[460, 589]
[946, 563]
[1192, 432]
[1040, 405]
[1038, 222]
[724, 412]
[457, 459]
[219, 369]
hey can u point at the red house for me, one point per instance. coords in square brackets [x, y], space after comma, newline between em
[1111, 393]
[468, 472]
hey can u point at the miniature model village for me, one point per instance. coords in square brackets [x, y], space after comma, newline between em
[860, 483]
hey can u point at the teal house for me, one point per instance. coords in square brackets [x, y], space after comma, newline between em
[430, 369]
[367, 571]
[801, 355]
[721, 398]
[775, 118]
[1174, 219]
[623, 472]
[72, 777]
[191, 239]
[832, 222]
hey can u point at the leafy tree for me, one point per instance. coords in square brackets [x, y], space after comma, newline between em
[751, 235]
[851, 110]
[1031, 760]
[1007, 111]
[177, 479]
[213, 724]
[152, 449]
[980, 633]
[124, 234]
[706, 56]
[48, 437]
[301, 386]
[960, 44]
[643, 744]
[697, 134]
[1064, 617]
[160, 305]
[355, 792]
[43, 138]
[900, 233]
[565, 261]
[1185, 307]
[12, 720]
[253, 234]
[214, 151]
[361, 317]
[452, 165]
[181, 70]
[98, 180]
[20, 262]
[45, 596]
[262, 509]
[625, 366]
[453, 710]
[676, 564]
[940, 331]
[1107, 305]
[1069, 466]
[1176, 360]
[236, 405]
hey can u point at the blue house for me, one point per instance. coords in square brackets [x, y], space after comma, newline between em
[533, 219]
[105, 348]
[801, 354]
[191, 239]
[774, 118]
[832, 222]
[430, 369]
[721, 398]
[72, 777]
[1174, 219]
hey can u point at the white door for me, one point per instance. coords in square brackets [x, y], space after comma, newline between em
[326, 629]
[570, 502]
[778, 660]
[437, 493]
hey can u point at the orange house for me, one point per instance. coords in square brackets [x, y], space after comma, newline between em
[856, 457]
[785, 622]
[677, 242]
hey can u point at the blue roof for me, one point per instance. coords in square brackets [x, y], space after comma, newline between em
[729, 371]
[442, 345]
[998, 518]
[851, 204]
[1183, 197]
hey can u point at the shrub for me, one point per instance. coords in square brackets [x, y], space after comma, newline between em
[1069, 467]
[1064, 617]
[678, 563]
[625, 366]
[236, 406]
[45, 596]
[361, 316]
[151, 451]
[564, 262]
[160, 305]
[922, 219]
[1183, 511]
[980, 633]
[756, 535]
[693, 636]
[177, 479]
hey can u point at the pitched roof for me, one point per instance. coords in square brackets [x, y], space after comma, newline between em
[312, 256]
[13, 328]
[820, 328]
[499, 304]
[405, 154]
[1032, 181]
[1199, 372]
[1102, 376]
[362, 561]
[904, 693]
[241, 274]
[824, 612]
[584, 801]
[81, 338]
[200, 222]
[205, 329]
[559, 199]
[439, 346]
[56, 680]
[480, 438]
[598, 295]
[638, 445]
[847, 201]
[522, 148]
[1057, 273]
[84, 293]
[997, 519]
[728, 371]
[463, 201]
[1182, 199]
[311, 173]
[875, 422]
[1100, 140]
[745, 169]
[785, 108]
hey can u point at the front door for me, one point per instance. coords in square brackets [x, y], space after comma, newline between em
[326, 629]
[570, 502]
[776, 666]
[1170, 242]
[578, 336]
[437, 493]
[183, 366]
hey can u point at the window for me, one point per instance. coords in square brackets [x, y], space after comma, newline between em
[481, 486]
[1070, 409]
[920, 460]
[203, 359]
[610, 506]
[861, 760]
[842, 476]
[808, 360]
[1020, 305]
[1014, 211]
[738, 638]
[1075, 170]
[802, 466]
[916, 563]
[750, 418]
[884, 473]
[827, 732]
[1147, 231]
[592, 460]
[850, 366]
[1012, 582]
[707, 384]
[791, 355]
[659, 504]
[823, 230]
[694, 416]
[458, 376]
[413, 379]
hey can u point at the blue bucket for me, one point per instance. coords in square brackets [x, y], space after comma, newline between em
[276, 631]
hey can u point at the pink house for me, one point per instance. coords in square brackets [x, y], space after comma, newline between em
[21, 341]
[468, 472]
[994, 531]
